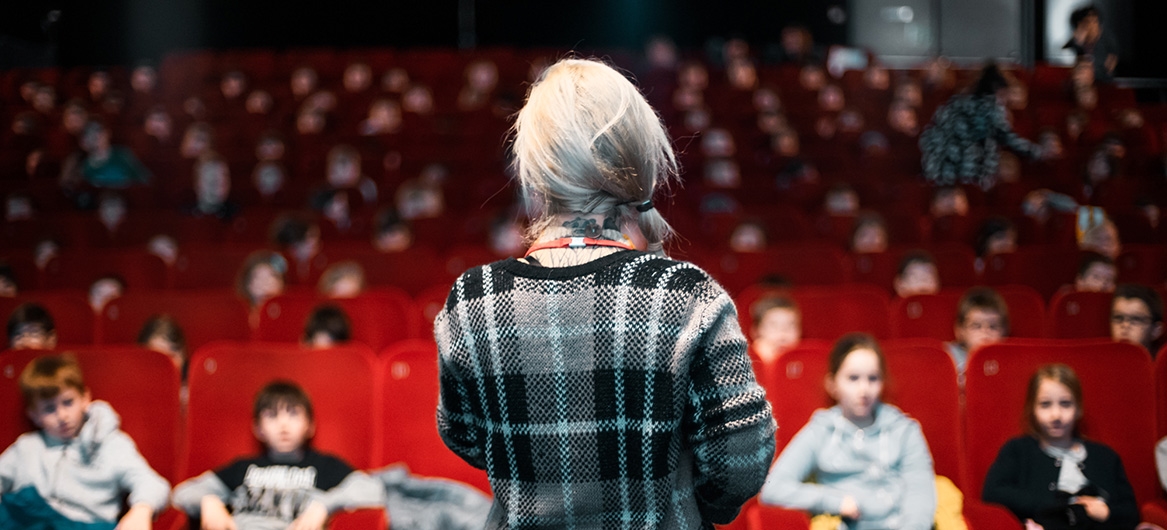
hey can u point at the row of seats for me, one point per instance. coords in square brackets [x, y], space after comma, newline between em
[377, 410]
[1125, 396]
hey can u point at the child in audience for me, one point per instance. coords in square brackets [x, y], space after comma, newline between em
[869, 234]
[30, 327]
[982, 318]
[261, 278]
[104, 289]
[298, 238]
[1136, 316]
[870, 461]
[77, 468]
[391, 233]
[1052, 478]
[289, 485]
[327, 326]
[161, 333]
[8, 285]
[777, 327]
[342, 280]
[1096, 273]
[917, 274]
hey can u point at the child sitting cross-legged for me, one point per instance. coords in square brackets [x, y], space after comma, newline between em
[77, 468]
[290, 486]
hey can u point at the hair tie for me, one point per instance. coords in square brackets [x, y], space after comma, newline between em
[645, 206]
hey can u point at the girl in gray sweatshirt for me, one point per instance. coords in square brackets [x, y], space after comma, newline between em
[868, 461]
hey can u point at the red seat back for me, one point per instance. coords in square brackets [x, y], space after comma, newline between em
[1118, 402]
[204, 316]
[142, 386]
[72, 316]
[1079, 315]
[827, 312]
[378, 318]
[225, 377]
[410, 399]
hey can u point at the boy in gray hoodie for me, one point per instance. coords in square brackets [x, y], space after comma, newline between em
[290, 486]
[76, 469]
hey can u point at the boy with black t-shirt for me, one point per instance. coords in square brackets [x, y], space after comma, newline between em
[291, 486]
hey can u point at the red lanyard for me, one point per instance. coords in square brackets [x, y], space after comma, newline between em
[577, 242]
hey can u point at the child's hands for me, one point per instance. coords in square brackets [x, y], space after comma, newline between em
[215, 515]
[1096, 508]
[1030, 525]
[849, 508]
[313, 518]
[140, 517]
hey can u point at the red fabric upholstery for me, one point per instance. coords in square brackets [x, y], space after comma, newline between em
[410, 399]
[1079, 315]
[70, 310]
[225, 377]
[827, 312]
[378, 317]
[1118, 402]
[142, 386]
[204, 316]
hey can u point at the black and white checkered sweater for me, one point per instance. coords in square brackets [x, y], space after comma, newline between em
[613, 394]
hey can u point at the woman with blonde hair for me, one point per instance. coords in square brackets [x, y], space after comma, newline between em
[599, 383]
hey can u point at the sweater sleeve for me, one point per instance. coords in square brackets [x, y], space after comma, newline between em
[1120, 497]
[144, 485]
[188, 495]
[457, 422]
[1003, 484]
[786, 484]
[919, 507]
[9, 461]
[357, 490]
[1004, 134]
[729, 423]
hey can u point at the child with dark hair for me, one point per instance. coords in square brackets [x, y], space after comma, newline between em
[8, 285]
[298, 238]
[161, 333]
[78, 467]
[1090, 43]
[870, 462]
[982, 318]
[917, 274]
[31, 327]
[327, 326]
[290, 485]
[391, 233]
[1096, 273]
[1051, 478]
[997, 235]
[1136, 316]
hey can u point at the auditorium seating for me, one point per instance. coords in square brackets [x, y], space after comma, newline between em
[204, 315]
[378, 318]
[1077, 315]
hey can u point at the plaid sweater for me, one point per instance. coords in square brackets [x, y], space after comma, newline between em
[613, 394]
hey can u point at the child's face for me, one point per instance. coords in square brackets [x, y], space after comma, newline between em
[1131, 321]
[1099, 277]
[61, 417]
[779, 329]
[161, 344]
[857, 385]
[918, 278]
[284, 429]
[33, 337]
[1056, 411]
[869, 238]
[264, 283]
[981, 327]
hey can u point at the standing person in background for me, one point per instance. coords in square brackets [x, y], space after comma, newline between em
[960, 145]
[599, 383]
[1090, 43]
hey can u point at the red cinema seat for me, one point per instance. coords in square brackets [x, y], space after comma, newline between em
[1118, 402]
[139, 269]
[957, 265]
[1079, 315]
[202, 267]
[413, 270]
[426, 305]
[225, 376]
[204, 316]
[801, 264]
[1145, 264]
[1045, 268]
[378, 317]
[409, 371]
[933, 316]
[827, 312]
[142, 386]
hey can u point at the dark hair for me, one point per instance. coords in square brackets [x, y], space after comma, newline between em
[166, 327]
[7, 273]
[990, 81]
[329, 319]
[1054, 372]
[255, 259]
[45, 377]
[1080, 14]
[1139, 292]
[775, 301]
[27, 315]
[849, 343]
[1089, 258]
[913, 257]
[387, 219]
[985, 299]
[281, 394]
[291, 229]
[990, 228]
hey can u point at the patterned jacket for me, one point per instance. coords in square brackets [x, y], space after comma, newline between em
[960, 145]
[613, 394]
